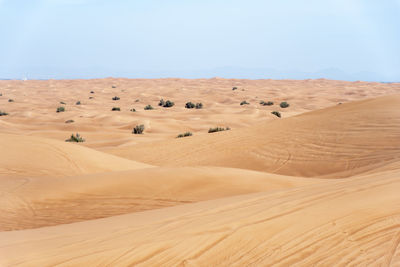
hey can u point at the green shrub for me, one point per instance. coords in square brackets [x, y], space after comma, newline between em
[115, 109]
[168, 104]
[269, 103]
[234, 88]
[60, 109]
[78, 103]
[115, 98]
[184, 135]
[190, 105]
[284, 105]
[2, 113]
[148, 107]
[244, 103]
[199, 105]
[10, 100]
[138, 129]
[133, 110]
[69, 121]
[75, 138]
[276, 113]
[218, 129]
[161, 103]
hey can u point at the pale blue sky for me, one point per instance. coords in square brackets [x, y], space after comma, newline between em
[344, 39]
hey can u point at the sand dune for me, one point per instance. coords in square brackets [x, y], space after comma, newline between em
[320, 186]
[33, 156]
[45, 201]
[349, 222]
[339, 141]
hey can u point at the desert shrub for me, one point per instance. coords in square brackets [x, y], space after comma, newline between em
[244, 103]
[90, 97]
[184, 135]
[148, 107]
[1, 94]
[10, 100]
[137, 100]
[75, 138]
[284, 105]
[2, 113]
[276, 113]
[138, 129]
[199, 105]
[218, 129]
[62, 103]
[161, 103]
[234, 88]
[269, 103]
[69, 121]
[168, 104]
[115, 109]
[60, 109]
[115, 98]
[78, 103]
[190, 105]
[113, 86]
[92, 92]
[133, 110]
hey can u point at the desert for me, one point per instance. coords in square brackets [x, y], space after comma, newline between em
[317, 185]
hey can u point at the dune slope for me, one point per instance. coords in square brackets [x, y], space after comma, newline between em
[350, 222]
[34, 156]
[31, 203]
[339, 141]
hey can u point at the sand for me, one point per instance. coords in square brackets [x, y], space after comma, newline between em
[319, 186]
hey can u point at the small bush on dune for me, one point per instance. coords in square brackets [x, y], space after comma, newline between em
[2, 113]
[269, 103]
[138, 129]
[234, 88]
[92, 92]
[69, 121]
[113, 86]
[75, 138]
[190, 105]
[218, 129]
[115, 109]
[62, 103]
[115, 98]
[276, 113]
[284, 105]
[10, 100]
[161, 103]
[133, 110]
[148, 107]
[244, 103]
[78, 103]
[184, 135]
[90, 97]
[60, 109]
[168, 104]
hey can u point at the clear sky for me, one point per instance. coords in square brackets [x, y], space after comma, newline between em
[344, 39]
